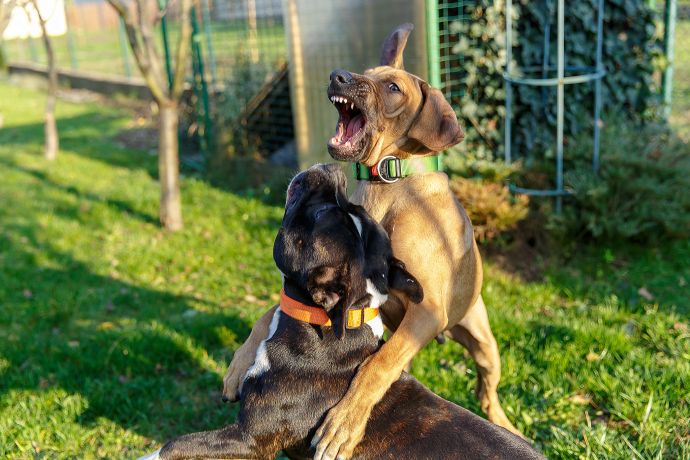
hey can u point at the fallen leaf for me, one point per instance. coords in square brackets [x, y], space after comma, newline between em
[250, 298]
[591, 356]
[106, 325]
[580, 399]
[644, 292]
[678, 326]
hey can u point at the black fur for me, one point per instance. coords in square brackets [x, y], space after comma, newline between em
[326, 262]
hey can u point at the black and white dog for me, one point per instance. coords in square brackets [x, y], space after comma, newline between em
[337, 268]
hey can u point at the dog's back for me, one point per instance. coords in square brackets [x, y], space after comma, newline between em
[310, 371]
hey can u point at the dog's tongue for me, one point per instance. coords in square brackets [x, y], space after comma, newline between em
[354, 125]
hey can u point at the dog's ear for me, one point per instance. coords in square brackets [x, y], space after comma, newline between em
[327, 286]
[393, 47]
[436, 126]
[330, 287]
[402, 280]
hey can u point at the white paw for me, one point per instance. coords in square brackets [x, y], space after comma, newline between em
[152, 456]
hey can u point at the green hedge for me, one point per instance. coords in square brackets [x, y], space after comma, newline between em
[630, 55]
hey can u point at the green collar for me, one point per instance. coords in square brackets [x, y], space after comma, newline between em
[391, 169]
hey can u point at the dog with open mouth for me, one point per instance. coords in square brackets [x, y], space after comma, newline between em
[337, 267]
[391, 125]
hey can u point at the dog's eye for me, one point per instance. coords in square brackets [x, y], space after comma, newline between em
[393, 87]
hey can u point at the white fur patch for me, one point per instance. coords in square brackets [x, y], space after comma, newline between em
[377, 298]
[376, 326]
[152, 456]
[261, 361]
[358, 223]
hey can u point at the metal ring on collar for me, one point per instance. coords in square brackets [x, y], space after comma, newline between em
[386, 178]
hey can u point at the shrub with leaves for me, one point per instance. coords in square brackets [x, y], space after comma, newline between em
[640, 192]
[490, 206]
[630, 55]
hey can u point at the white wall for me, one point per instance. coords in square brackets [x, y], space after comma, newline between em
[21, 26]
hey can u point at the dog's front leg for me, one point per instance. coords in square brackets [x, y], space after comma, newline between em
[244, 357]
[344, 425]
[228, 443]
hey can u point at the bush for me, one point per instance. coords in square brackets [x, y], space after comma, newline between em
[490, 206]
[630, 53]
[640, 192]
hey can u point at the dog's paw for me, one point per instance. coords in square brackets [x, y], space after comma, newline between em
[338, 436]
[152, 456]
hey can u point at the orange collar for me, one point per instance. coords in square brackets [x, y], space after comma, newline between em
[315, 315]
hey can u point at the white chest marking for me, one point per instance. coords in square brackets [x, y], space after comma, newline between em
[377, 299]
[358, 223]
[261, 362]
[376, 326]
[152, 456]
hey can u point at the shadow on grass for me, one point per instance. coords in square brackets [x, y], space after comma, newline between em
[119, 205]
[94, 135]
[136, 354]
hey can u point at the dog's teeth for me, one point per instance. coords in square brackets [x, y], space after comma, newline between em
[352, 106]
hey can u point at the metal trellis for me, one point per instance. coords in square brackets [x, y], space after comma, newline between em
[577, 75]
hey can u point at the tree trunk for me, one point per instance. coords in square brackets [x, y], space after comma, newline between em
[169, 166]
[51, 132]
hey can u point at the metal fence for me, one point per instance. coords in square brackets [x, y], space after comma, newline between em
[241, 50]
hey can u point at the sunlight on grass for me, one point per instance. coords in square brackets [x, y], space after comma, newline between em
[114, 335]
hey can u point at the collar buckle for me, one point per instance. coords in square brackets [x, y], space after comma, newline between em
[385, 174]
[355, 321]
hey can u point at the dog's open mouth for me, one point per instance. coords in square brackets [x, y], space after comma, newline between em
[351, 122]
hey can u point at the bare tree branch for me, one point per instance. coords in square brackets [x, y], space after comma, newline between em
[183, 45]
[51, 134]
[6, 7]
[141, 56]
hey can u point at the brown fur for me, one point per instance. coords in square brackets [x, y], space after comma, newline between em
[430, 233]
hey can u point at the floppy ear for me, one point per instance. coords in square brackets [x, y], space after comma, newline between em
[402, 280]
[436, 127]
[330, 287]
[327, 287]
[393, 47]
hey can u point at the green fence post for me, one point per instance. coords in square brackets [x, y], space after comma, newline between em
[200, 87]
[432, 46]
[70, 39]
[206, 18]
[124, 49]
[669, 45]
[32, 50]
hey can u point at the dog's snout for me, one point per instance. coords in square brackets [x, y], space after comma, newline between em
[341, 76]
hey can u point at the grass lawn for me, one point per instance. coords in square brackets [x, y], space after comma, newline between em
[114, 335]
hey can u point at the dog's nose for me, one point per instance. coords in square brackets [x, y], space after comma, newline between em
[341, 76]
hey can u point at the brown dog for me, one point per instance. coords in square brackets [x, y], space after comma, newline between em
[390, 112]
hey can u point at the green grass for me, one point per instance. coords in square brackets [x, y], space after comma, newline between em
[114, 335]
